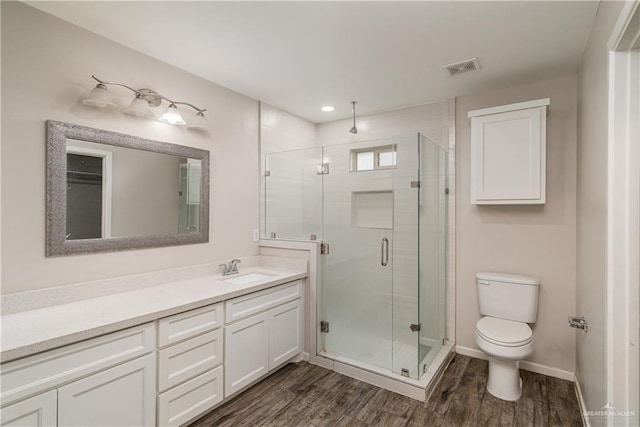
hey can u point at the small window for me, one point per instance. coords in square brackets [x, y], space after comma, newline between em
[364, 161]
[373, 158]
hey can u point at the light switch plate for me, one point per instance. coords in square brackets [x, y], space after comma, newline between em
[256, 234]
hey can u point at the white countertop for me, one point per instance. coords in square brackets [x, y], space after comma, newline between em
[29, 332]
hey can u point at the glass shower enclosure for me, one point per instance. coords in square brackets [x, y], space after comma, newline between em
[380, 207]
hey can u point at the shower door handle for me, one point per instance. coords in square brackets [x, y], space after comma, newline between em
[384, 252]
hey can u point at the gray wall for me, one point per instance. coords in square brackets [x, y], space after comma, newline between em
[532, 240]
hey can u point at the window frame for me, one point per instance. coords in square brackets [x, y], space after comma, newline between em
[390, 148]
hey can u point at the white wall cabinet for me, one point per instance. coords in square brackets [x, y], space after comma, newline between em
[121, 396]
[508, 154]
[266, 331]
[38, 411]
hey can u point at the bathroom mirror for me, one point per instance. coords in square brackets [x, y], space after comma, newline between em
[108, 191]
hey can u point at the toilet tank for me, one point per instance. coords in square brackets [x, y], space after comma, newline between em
[508, 296]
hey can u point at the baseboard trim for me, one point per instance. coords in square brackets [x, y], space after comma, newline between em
[581, 403]
[524, 364]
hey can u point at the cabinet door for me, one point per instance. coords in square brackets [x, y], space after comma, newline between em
[246, 352]
[285, 332]
[508, 157]
[38, 411]
[120, 396]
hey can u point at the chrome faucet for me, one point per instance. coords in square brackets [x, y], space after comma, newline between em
[232, 268]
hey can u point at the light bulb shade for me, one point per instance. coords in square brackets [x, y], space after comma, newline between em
[199, 122]
[139, 108]
[99, 97]
[172, 116]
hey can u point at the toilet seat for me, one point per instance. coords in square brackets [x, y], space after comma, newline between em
[506, 333]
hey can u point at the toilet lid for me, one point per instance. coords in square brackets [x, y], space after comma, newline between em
[504, 332]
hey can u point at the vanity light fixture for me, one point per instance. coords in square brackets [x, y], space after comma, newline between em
[199, 122]
[100, 97]
[172, 116]
[139, 108]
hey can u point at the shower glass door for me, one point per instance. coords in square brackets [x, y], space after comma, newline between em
[369, 294]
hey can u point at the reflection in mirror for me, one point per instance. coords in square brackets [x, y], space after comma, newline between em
[109, 191]
[122, 192]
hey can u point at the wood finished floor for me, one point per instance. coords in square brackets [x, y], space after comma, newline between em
[306, 395]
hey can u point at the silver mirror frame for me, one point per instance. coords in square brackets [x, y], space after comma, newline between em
[57, 245]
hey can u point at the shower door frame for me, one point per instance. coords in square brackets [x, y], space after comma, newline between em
[403, 184]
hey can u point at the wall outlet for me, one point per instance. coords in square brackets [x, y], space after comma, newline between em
[256, 234]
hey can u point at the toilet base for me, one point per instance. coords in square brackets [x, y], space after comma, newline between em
[504, 379]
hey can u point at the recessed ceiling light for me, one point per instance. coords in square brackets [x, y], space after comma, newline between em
[328, 108]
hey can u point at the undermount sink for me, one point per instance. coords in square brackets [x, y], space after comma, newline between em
[247, 278]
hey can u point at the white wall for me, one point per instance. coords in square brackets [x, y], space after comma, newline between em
[46, 70]
[532, 240]
[591, 292]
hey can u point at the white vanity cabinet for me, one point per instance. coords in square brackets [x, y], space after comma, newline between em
[190, 375]
[167, 372]
[263, 330]
[508, 154]
[108, 380]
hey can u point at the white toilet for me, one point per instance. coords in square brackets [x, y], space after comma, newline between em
[508, 302]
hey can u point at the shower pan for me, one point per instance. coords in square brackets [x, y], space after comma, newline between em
[379, 208]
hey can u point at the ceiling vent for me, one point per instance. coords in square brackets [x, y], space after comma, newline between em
[470, 64]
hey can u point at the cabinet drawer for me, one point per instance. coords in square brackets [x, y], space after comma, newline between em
[191, 399]
[53, 368]
[256, 302]
[187, 325]
[189, 359]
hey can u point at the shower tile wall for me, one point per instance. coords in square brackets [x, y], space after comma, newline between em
[431, 120]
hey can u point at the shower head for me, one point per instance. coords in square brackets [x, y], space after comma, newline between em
[354, 129]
